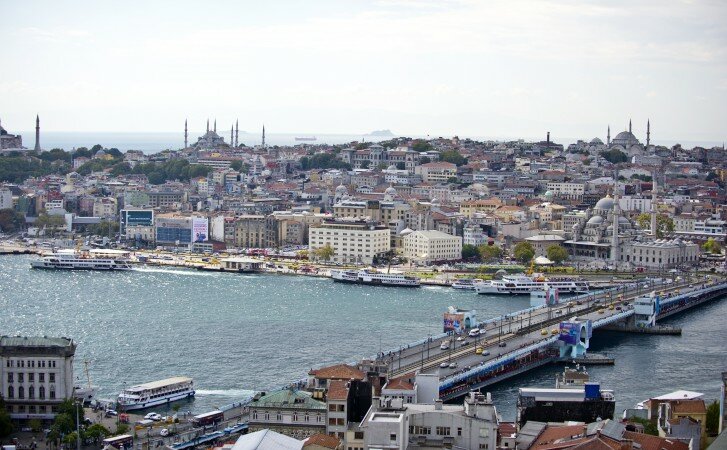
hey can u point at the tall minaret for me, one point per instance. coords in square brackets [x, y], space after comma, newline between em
[208, 125]
[653, 203]
[648, 132]
[263, 135]
[608, 136]
[237, 132]
[215, 126]
[232, 134]
[185, 133]
[629, 125]
[37, 133]
[615, 249]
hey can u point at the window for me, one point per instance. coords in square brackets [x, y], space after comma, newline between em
[331, 421]
[443, 431]
[21, 377]
[31, 392]
[392, 437]
[52, 393]
[10, 377]
[11, 392]
[31, 377]
[41, 377]
[41, 392]
[21, 392]
[331, 407]
[358, 435]
[52, 377]
[279, 416]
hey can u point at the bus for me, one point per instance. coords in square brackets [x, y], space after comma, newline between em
[121, 442]
[209, 418]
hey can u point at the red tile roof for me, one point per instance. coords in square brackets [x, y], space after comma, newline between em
[322, 440]
[337, 390]
[649, 442]
[399, 384]
[338, 372]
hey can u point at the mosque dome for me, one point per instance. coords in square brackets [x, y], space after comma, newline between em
[596, 141]
[390, 191]
[548, 194]
[605, 204]
[595, 220]
[625, 136]
[391, 167]
[341, 189]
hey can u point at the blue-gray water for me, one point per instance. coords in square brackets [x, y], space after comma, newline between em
[152, 142]
[235, 333]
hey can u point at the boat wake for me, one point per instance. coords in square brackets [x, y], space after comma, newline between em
[225, 392]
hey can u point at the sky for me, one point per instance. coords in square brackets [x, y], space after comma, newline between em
[512, 68]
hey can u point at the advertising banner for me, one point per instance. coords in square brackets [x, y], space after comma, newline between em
[553, 297]
[200, 229]
[453, 322]
[570, 332]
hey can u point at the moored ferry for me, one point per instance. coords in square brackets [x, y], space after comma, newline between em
[156, 393]
[465, 283]
[524, 285]
[70, 260]
[373, 277]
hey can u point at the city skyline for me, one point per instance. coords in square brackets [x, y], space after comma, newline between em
[417, 68]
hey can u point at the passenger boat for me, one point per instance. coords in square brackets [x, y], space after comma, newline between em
[465, 283]
[156, 393]
[71, 261]
[523, 285]
[373, 277]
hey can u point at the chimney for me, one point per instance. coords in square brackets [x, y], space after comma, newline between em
[438, 404]
[548, 139]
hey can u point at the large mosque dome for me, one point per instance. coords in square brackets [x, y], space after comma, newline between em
[605, 204]
[625, 139]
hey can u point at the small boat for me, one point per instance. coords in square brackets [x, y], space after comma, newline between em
[465, 283]
[88, 392]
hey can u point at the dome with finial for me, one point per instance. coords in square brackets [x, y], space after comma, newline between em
[341, 189]
[605, 204]
[390, 191]
[549, 195]
[391, 167]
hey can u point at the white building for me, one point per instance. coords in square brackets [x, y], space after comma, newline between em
[392, 424]
[354, 241]
[436, 172]
[36, 375]
[432, 245]
[572, 191]
[6, 198]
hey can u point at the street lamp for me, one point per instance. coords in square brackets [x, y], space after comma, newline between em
[78, 426]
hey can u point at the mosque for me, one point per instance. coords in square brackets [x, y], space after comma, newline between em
[626, 142]
[211, 140]
[605, 236]
[15, 141]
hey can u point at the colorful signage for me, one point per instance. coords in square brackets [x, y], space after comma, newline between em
[453, 322]
[200, 229]
[570, 332]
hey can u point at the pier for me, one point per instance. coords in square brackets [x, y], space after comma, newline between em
[515, 343]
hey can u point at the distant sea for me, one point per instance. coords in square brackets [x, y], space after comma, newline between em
[157, 141]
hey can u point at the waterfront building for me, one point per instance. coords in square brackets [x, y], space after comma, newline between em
[290, 412]
[541, 242]
[36, 375]
[264, 440]
[352, 241]
[321, 378]
[394, 214]
[436, 172]
[431, 245]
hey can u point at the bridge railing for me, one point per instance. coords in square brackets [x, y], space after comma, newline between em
[495, 363]
[611, 319]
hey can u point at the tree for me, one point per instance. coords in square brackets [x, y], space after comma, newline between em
[556, 253]
[469, 251]
[523, 251]
[120, 169]
[454, 157]
[365, 164]
[96, 432]
[489, 252]
[614, 156]
[6, 425]
[401, 165]
[425, 160]
[50, 222]
[325, 253]
[712, 246]
[103, 228]
[664, 223]
[712, 422]
[36, 425]
[420, 145]
[10, 220]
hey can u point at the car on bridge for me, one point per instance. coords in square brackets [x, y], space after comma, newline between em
[474, 332]
[544, 332]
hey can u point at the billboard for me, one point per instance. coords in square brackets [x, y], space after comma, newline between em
[200, 229]
[570, 332]
[454, 322]
[133, 217]
[553, 297]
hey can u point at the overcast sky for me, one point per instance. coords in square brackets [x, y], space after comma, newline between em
[423, 67]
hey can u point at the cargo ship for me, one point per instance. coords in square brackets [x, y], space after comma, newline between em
[574, 398]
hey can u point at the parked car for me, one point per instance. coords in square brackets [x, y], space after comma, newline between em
[502, 344]
[164, 432]
[153, 416]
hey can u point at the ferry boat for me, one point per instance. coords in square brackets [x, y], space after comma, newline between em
[465, 283]
[156, 393]
[524, 285]
[71, 261]
[306, 138]
[373, 277]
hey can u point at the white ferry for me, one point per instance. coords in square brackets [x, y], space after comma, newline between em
[71, 261]
[156, 393]
[524, 285]
[465, 283]
[373, 277]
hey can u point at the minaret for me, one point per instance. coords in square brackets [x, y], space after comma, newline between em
[615, 249]
[185, 133]
[37, 133]
[232, 134]
[263, 135]
[629, 125]
[237, 132]
[208, 125]
[215, 126]
[648, 132]
[608, 136]
[653, 204]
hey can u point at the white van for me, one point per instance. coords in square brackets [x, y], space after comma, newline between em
[474, 332]
[444, 346]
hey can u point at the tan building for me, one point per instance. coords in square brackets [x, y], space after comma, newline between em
[428, 246]
[105, 207]
[354, 241]
[251, 231]
[436, 172]
[468, 209]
